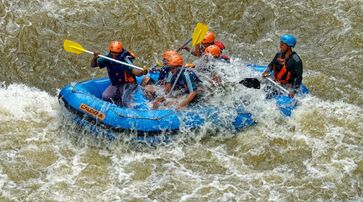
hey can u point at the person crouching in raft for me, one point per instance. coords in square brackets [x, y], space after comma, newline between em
[188, 83]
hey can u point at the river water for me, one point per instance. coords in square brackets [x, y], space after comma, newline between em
[317, 154]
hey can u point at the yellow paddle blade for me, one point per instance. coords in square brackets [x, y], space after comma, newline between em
[73, 47]
[199, 32]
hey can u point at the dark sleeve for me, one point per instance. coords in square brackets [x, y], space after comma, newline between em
[299, 72]
[270, 66]
[163, 73]
[102, 62]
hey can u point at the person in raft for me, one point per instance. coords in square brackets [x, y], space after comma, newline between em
[216, 52]
[209, 39]
[287, 66]
[149, 83]
[123, 80]
[163, 70]
[188, 83]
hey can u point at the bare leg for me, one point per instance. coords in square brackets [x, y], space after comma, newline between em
[109, 93]
[145, 80]
[126, 92]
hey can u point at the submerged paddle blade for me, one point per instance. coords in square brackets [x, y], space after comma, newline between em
[251, 83]
[199, 32]
[73, 47]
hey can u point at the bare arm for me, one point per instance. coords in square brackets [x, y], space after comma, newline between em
[138, 72]
[197, 51]
[159, 100]
[167, 88]
[187, 100]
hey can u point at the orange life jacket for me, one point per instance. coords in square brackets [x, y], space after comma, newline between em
[282, 75]
[129, 78]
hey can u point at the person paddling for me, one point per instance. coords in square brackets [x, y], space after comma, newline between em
[209, 39]
[187, 85]
[123, 80]
[287, 66]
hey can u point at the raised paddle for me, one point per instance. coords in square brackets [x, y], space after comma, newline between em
[74, 47]
[200, 31]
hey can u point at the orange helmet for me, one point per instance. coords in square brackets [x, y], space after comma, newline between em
[213, 50]
[209, 37]
[175, 61]
[169, 53]
[115, 46]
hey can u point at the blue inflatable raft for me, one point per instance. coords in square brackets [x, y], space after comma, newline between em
[84, 100]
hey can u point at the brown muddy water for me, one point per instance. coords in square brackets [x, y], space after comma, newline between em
[316, 155]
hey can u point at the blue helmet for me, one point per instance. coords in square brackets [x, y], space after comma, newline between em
[289, 40]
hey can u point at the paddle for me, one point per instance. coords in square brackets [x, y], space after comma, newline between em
[183, 46]
[277, 85]
[197, 37]
[255, 83]
[158, 63]
[74, 47]
[251, 83]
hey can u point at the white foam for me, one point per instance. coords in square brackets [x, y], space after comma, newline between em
[20, 102]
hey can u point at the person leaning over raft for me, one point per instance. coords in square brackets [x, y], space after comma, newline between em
[188, 82]
[164, 69]
[149, 84]
[287, 66]
[123, 80]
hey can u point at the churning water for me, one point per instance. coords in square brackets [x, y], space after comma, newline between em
[317, 154]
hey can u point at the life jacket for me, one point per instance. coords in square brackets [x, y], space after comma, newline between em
[220, 45]
[164, 71]
[183, 83]
[225, 58]
[281, 73]
[120, 74]
[217, 43]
